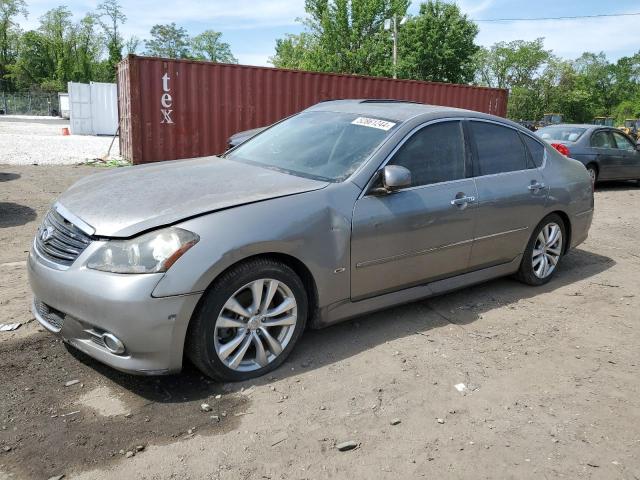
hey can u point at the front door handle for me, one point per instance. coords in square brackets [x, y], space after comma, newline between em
[534, 187]
[461, 201]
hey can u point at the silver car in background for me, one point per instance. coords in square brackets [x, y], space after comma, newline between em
[345, 208]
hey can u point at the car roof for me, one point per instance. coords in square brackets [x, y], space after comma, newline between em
[398, 110]
[588, 126]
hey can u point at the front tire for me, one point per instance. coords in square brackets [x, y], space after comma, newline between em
[248, 322]
[544, 251]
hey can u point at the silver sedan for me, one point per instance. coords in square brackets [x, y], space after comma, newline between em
[348, 207]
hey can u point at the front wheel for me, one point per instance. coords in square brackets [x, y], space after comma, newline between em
[544, 251]
[248, 322]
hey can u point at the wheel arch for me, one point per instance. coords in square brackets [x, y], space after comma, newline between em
[292, 262]
[567, 226]
[594, 164]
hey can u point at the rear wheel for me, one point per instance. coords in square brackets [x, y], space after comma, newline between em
[248, 322]
[544, 251]
[593, 172]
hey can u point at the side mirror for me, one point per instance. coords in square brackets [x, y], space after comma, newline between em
[395, 177]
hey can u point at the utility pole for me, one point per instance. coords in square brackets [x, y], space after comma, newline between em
[392, 24]
[395, 46]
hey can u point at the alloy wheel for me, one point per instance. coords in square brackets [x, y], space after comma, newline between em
[547, 250]
[255, 325]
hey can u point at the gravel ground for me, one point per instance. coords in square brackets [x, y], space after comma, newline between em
[39, 140]
[550, 380]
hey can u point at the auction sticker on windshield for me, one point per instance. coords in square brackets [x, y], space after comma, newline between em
[373, 123]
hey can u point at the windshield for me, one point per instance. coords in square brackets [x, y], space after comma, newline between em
[563, 134]
[323, 145]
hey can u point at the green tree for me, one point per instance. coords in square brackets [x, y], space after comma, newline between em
[57, 28]
[111, 18]
[10, 10]
[438, 44]
[595, 75]
[208, 46]
[296, 51]
[168, 41]
[33, 64]
[511, 64]
[343, 36]
[132, 45]
[87, 50]
[519, 66]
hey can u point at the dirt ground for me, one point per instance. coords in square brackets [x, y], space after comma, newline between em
[550, 374]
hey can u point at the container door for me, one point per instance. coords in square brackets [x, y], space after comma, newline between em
[104, 108]
[80, 113]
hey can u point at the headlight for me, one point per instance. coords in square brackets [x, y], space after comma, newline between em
[150, 253]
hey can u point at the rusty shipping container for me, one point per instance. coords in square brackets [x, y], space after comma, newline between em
[172, 109]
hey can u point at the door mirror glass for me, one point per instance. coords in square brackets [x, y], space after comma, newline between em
[395, 177]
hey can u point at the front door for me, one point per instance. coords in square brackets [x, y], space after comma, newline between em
[610, 159]
[423, 232]
[511, 193]
[630, 155]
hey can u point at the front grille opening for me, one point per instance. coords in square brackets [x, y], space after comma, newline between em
[60, 241]
[53, 317]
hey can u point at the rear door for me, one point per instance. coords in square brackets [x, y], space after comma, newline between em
[423, 232]
[630, 156]
[610, 159]
[511, 191]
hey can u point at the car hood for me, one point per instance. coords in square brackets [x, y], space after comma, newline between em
[127, 201]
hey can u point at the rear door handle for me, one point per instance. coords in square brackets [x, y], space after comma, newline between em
[534, 187]
[462, 201]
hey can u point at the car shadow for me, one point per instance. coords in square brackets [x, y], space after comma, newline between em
[613, 186]
[14, 214]
[319, 348]
[6, 177]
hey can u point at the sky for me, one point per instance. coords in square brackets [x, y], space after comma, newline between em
[251, 27]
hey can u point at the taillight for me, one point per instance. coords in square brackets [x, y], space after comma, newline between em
[563, 149]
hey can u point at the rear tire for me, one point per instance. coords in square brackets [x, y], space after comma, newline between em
[544, 251]
[592, 170]
[248, 321]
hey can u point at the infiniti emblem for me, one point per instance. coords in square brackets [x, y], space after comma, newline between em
[46, 234]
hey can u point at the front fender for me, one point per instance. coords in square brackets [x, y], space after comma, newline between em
[313, 227]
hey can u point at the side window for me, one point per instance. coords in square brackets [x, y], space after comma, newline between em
[499, 148]
[434, 154]
[623, 142]
[535, 149]
[601, 139]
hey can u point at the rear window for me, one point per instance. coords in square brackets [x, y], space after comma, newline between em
[499, 148]
[562, 134]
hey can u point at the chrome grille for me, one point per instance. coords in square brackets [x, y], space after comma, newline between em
[50, 315]
[59, 240]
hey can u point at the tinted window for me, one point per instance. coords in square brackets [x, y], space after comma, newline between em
[434, 154]
[535, 149]
[602, 139]
[499, 148]
[623, 142]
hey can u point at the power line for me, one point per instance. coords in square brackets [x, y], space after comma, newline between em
[556, 18]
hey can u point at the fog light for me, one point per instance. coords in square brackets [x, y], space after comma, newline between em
[113, 343]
